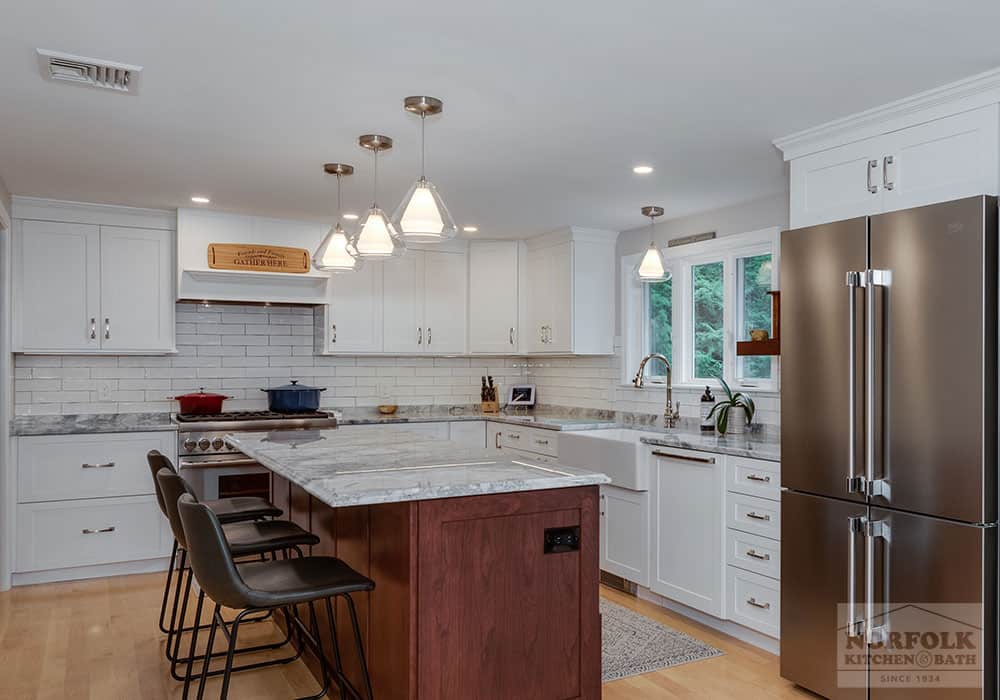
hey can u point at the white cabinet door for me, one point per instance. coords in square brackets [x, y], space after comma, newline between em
[402, 309]
[538, 301]
[688, 532]
[493, 280]
[560, 275]
[625, 533]
[354, 312]
[470, 434]
[834, 184]
[445, 311]
[137, 281]
[56, 297]
[942, 160]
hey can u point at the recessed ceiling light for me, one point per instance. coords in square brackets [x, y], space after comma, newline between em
[200, 200]
[351, 217]
[470, 229]
[642, 169]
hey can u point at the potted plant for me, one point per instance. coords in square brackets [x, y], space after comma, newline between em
[734, 413]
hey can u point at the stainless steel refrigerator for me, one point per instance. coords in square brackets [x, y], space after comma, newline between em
[889, 454]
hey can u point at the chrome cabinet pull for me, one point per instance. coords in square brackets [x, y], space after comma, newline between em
[762, 479]
[428, 335]
[872, 166]
[513, 436]
[542, 442]
[757, 516]
[97, 531]
[420, 336]
[333, 338]
[107, 329]
[496, 440]
[510, 335]
[853, 284]
[604, 500]
[686, 458]
[855, 627]
[762, 606]
[104, 465]
[753, 553]
[93, 328]
[886, 182]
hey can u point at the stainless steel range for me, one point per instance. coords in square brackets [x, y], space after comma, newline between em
[216, 470]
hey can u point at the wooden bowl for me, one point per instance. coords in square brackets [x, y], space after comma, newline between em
[758, 334]
[387, 409]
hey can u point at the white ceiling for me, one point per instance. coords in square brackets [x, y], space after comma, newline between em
[548, 105]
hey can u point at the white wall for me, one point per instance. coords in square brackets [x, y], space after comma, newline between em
[597, 382]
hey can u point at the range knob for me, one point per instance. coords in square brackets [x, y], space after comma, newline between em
[218, 443]
[190, 444]
[204, 443]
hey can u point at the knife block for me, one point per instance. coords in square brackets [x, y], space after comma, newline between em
[489, 407]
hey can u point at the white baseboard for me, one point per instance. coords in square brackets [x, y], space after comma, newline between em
[77, 573]
[744, 634]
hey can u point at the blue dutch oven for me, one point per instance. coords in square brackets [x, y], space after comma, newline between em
[293, 398]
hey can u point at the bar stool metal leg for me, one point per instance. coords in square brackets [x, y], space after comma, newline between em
[361, 647]
[166, 588]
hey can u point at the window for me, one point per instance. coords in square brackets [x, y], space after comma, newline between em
[707, 312]
[753, 282]
[717, 294]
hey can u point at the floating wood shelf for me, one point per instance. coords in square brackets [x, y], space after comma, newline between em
[771, 346]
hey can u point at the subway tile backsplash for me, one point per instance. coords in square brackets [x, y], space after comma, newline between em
[238, 349]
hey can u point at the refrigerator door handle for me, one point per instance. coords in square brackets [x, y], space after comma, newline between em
[872, 279]
[855, 625]
[874, 633]
[854, 483]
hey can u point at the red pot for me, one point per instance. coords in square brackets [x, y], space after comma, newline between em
[201, 402]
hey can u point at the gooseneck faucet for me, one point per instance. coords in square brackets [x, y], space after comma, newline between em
[670, 417]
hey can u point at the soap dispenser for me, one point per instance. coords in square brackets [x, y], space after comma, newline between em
[707, 402]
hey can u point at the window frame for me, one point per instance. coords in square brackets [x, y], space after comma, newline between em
[679, 261]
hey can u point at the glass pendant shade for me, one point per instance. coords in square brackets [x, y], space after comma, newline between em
[376, 236]
[422, 216]
[651, 269]
[335, 252]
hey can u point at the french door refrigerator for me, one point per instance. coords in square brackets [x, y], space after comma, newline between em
[889, 454]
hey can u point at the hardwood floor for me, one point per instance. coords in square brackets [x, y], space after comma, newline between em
[97, 640]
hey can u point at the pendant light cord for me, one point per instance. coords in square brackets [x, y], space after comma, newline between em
[423, 120]
[375, 180]
[338, 199]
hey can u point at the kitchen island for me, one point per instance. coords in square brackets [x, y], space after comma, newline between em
[485, 567]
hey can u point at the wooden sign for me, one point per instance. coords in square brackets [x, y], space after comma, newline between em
[257, 258]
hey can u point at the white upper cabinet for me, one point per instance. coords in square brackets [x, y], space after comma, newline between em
[569, 293]
[934, 147]
[88, 288]
[424, 303]
[493, 298]
[352, 317]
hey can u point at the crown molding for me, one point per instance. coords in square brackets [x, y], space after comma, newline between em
[41, 209]
[960, 96]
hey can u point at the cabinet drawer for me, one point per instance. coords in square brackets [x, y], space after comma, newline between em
[755, 477]
[752, 514]
[56, 535]
[540, 441]
[61, 467]
[754, 600]
[758, 554]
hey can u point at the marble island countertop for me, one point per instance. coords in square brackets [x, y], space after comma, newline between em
[351, 468]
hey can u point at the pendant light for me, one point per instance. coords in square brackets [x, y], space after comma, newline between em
[422, 216]
[335, 252]
[652, 269]
[376, 236]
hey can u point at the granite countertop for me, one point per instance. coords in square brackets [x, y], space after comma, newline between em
[753, 445]
[359, 468]
[91, 423]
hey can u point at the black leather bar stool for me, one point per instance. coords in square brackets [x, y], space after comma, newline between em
[269, 585]
[229, 510]
[250, 539]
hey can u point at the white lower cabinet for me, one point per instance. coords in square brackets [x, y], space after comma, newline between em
[468, 433]
[625, 533]
[688, 490]
[88, 500]
[754, 600]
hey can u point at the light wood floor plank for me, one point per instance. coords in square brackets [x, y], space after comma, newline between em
[98, 640]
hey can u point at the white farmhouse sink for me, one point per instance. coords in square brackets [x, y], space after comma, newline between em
[616, 452]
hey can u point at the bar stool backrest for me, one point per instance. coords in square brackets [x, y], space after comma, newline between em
[172, 486]
[158, 461]
[209, 555]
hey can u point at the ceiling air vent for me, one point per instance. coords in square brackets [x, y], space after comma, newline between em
[89, 71]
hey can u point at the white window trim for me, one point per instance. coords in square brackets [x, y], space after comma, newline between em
[679, 261]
